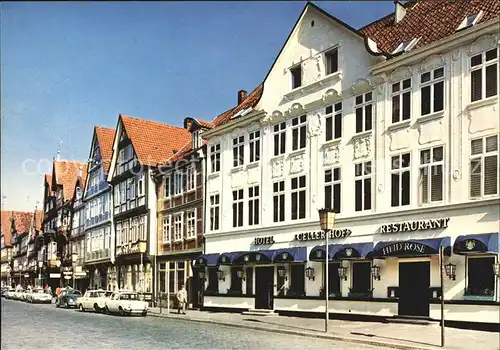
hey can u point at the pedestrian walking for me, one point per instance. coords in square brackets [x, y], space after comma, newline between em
[182, 300]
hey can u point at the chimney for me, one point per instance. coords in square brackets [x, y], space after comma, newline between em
[80, 171]
[399, 12]
[242, 94]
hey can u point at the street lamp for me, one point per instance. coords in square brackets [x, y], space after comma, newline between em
[326, 220]
[240, 274]
[376, 272]
[310, 273]
[220, 275]
[450, 270]
[343, 273]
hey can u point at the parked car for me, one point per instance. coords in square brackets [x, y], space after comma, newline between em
[92, 299]
[126, 303]
[18, 294]
[67, 298]
[9, 293]
[38, 295]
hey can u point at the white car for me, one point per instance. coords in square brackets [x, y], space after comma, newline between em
[9, 293]
[126, 303]
[18, 294]
[92, 299]
[38, 295]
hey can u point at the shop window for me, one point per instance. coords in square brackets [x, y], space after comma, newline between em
[162, 276]
[249, 281]
[297, 282]
[480, 276]
[281, 285]
[236, 282]
[213, 280]
[333, 280]
[361, 277]
[180, 275]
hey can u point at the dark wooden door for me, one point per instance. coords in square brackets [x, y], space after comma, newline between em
[414, 280]
[264, 287]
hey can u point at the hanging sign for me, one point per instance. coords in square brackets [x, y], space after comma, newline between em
[321, 235]
[418, 225]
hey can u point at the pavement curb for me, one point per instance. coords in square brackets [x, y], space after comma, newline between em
[299, 333]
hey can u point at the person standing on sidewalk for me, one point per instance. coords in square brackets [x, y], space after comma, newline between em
[182, 300]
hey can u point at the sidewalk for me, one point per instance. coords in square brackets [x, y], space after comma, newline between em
[390, 335]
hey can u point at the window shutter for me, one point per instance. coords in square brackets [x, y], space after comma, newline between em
[476, 85]
[475, 178]
[491, 80]
[491, 175]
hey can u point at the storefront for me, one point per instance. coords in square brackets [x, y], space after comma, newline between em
[133, 268]
[375, 268]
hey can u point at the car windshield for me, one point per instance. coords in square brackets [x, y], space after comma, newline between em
[108, 294]
[129, 296]
[101, 295]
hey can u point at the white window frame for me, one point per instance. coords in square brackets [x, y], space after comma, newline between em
[367, 101]
[301, 124]
[253, 203]
[292, 80]
[362, 177]
[429, 167]
[398, 90]
[167, 187]
[215, 158]
[178, 182]
[399, 170]
[190, 178]
[327, 59]
[297, 191]
[214, 206]
[237, 201]
[332, 183]
[254, 146]
[278, 194]
[484, 64]
[279, 136]
[141, 228]
[178, 227]
[481, 156]
[191, 224]
[238, 147]
[333, 112]
[432, 83]
[167, 229]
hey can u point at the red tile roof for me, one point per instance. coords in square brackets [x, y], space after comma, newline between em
[204, 124]
[6, 223]
[105, 139]
[66, 173]
[22, 221]
[250, 101]
[429, 20]
[154, 142]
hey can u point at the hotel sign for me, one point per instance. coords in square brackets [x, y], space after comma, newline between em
[263, 240]
[321, 235]
[419, 225]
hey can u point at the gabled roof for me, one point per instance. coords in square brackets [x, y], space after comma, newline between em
[22, 221]
[48, 181]
[65, 174]
[153, 142]
[80, 181]
[429, 20]
[105, 138]
[38, 219]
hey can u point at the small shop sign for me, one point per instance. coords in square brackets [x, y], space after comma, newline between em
[263, 240]
[419, 225]
[321, 235]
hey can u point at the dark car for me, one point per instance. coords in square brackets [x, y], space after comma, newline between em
[68, 298]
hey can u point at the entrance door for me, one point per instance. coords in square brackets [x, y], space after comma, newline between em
[197, 286]
[414, 280]
[264, 287]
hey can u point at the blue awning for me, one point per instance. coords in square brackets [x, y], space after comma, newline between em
[478, 243]
[229, 258]
[411, 248]
[207, 260]
[295, 254]
[342, 251]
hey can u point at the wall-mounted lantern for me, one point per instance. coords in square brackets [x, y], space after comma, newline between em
[450, 270]
[343, 273]
[201, 274]
[310, 273]
[282, 272]
[240, 274]
[220, 275]
[496, 269]
[376, 272]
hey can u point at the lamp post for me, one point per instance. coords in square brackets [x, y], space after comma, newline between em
[441, 258]
[326, 220]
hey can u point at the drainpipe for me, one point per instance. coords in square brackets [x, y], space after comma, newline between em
[205, 198]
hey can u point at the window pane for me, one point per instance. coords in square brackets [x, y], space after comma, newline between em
[395, 109]
[359, 119]
[405, 188]
[338, 125]
[329, 128]
[368, 117]
[476, 85]
[476, 60]
[295, 139]
[424, 185]
[437, 183]
[425, 100]
[406, 105]
[475, 178]
[336, 198]
[303, 137]
[358, 195]
[491, 55]
[491, 80]
[328, 196]
[368, 194]
[439, 96]
[491, 175]
[394, 190]
[481, 279]
[491, 144]
[476, 146]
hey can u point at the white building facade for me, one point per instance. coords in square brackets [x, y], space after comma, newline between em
[404, 150]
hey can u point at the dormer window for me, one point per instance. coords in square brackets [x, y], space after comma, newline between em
[196, 139]
[406, 46]
[296, 73]
[332, 61]
[471, 20]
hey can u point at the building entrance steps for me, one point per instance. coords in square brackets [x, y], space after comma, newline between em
[260, 312]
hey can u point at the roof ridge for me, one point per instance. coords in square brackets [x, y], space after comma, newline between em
[151, 121]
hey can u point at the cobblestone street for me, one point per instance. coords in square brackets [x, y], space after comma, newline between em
[27, 326]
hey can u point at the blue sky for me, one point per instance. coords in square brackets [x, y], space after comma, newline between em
[66, 67]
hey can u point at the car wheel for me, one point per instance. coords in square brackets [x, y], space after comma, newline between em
[66, 305]
[144, 313]
[81, 308]
[106, 310]
[122, 312]
[96, 308]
